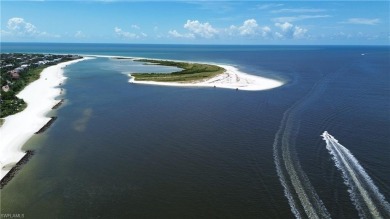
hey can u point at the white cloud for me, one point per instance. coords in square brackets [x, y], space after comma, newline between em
[298, 18]
[196, 30]
[249, 28]
[128, 35]
[299, 32]
[285, 26]
[298, 10]
[266, 32]
[278, 35]
[365, 21]
[290, 31]
[204, 30]
[18, 27]
[231, 30]
[176, 34]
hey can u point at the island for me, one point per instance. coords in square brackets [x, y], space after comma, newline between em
[202, 75]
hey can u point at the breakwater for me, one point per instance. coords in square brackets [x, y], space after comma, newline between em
[58, 104]
[8, 177]
[47, 125]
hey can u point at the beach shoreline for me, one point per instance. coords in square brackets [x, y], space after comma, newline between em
[232, 78]
[40, 97]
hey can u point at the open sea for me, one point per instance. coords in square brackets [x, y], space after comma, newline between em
[121, 150]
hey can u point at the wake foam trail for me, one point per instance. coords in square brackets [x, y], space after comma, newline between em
[281, 174]
[302, 198]
[369, 202]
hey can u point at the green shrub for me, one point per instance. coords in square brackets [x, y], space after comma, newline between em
[190, 72]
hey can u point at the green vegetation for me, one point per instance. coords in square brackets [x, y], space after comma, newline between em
[12, 106]
[10, 103]
[190, 72]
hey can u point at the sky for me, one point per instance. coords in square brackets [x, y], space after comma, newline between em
[197, 22]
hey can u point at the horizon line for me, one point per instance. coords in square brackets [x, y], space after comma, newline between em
[200, 44]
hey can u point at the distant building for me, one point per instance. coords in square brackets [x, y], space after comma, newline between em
[42, 62]
[14, 74]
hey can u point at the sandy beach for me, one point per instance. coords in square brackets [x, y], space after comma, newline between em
[231, 79]
[18, 128]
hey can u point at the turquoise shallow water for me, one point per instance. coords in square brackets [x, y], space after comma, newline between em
[121, 150]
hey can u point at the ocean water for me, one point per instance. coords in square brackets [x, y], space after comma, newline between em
[121, 150]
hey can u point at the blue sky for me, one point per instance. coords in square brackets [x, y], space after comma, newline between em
[197, 22]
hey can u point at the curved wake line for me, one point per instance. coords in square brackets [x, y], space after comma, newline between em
[282, 178]
[363, 192]
[298, 190]
[301, 196]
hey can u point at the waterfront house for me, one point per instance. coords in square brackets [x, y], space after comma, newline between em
[5, 88]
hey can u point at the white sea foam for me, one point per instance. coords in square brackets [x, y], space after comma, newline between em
[366, 197]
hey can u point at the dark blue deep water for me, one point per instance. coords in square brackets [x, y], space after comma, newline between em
[121, 150]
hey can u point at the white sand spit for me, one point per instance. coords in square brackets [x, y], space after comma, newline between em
[231, 79]
[18, 128]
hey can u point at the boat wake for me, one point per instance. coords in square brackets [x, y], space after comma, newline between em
[302, 198]
[301, 195]
[369, 202]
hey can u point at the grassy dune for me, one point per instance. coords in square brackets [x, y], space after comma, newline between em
[190, 72]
